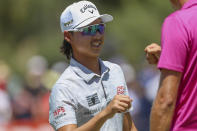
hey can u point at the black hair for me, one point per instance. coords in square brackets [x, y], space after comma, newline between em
[66, 49]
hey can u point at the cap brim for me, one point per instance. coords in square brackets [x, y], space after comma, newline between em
[105, 18]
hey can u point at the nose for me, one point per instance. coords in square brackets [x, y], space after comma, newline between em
[98, 35]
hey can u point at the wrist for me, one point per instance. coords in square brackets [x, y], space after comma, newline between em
[107, 113]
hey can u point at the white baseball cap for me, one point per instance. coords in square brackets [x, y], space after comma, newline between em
[81, 14]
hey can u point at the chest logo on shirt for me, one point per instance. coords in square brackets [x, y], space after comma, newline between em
[93, 99]
[120, 90]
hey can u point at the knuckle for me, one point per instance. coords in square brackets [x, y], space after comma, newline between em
[126, 106]
[116, 97]
[115, 102]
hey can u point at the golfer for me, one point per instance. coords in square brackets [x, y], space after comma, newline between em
[91, 94]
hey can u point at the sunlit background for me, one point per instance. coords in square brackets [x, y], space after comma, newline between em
[30, 61]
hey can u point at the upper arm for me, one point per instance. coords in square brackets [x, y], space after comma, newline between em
[169, 83]
[175, 44]
[61, 107]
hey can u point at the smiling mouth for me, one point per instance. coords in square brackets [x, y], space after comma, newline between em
[96, 44]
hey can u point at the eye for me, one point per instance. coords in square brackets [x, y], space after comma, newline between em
[94, 29]
[86, 30]
[90, 28]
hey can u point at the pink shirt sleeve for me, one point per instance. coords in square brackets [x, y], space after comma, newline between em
[174, 44]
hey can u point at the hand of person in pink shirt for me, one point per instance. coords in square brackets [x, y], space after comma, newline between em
[153, 52]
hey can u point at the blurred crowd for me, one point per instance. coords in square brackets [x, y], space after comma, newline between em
[24, 101]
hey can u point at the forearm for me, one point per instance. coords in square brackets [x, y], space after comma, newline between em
[164, 104]
[128, 124]
[95, 123]
[133, 127]
[161, 117]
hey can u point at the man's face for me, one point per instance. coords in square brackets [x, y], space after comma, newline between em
[176, 4]
[87, 45]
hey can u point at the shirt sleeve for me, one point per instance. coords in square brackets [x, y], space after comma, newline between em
[174, 43]
[62, 107]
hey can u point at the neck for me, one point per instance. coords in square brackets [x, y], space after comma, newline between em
[92, 63]
[182, 2]
[178, 4]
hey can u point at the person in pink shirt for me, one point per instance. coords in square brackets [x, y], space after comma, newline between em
[175, 106]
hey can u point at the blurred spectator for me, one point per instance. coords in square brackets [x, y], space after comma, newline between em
[21, 105]
[36, 68]
[4, 75]
[149, 78]
[59, 67]
[5, 105]
[29, 98]
[28, 103]
[51, 75]
[151, 87]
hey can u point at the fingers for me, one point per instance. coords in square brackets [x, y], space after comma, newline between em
[153, 48]
[125, 105]
[123, 98]
[123, 101]
[121, 109]
[152, 59]
[120, 103]
[153, 52]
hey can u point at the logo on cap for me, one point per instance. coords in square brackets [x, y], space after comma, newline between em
[91, 11]
[85, 7]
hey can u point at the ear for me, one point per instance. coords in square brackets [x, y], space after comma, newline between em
[68, 36]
